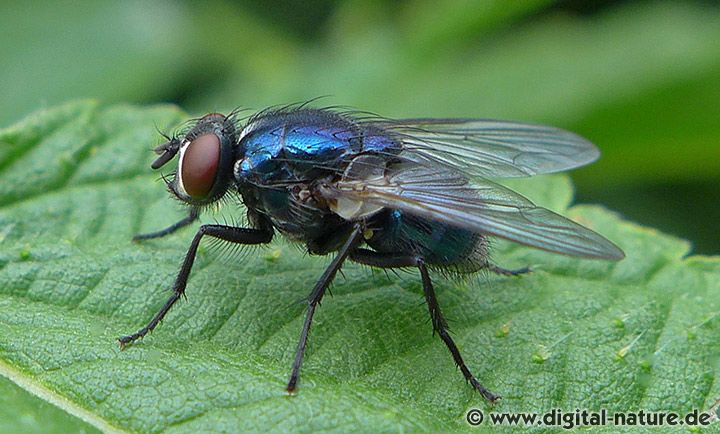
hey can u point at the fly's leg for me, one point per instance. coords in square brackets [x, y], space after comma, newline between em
[192, 216]
[506, 272]
[225, 233]
[440, 326]
[314, 299]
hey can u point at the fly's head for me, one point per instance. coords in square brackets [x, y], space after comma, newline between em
[204, 171]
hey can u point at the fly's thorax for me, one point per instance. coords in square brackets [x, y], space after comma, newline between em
[286, 146]
[303, 144]
[295, 211]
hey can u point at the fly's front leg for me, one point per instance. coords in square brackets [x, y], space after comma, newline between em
[315, 297]
[225, 233]
[192, 216]
[374, 259]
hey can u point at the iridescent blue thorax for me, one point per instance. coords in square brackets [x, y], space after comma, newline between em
[296, 146]
[281, 153]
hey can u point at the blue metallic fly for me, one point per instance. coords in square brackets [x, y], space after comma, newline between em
[410, 193]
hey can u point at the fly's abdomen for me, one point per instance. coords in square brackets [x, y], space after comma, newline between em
[439, 244]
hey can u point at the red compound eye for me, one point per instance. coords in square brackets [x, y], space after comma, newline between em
[200, 164]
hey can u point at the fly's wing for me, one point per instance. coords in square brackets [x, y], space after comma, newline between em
[485, 207]
[491, 148]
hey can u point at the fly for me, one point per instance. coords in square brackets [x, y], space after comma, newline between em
[410, 193]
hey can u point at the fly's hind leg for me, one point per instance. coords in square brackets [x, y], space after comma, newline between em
[375, 259]
[505, 272]
[192, 216]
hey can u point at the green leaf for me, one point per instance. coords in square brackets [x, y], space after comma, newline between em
[75, 187]
[21, 411]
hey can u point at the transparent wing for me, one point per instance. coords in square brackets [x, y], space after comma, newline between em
[486, 207]
[491, 148]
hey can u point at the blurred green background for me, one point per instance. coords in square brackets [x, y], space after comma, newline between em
[639, 78]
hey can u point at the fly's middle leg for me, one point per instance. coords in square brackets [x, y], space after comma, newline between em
[316, 296]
